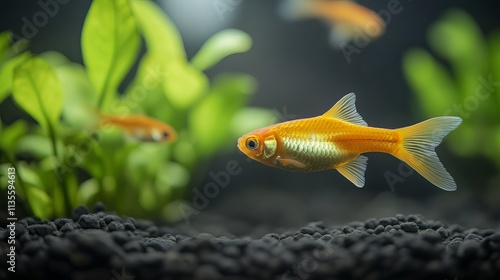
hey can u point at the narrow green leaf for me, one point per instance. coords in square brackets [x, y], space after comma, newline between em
[494, 55]
[147, 198]
[431, 83]
[110, 44]
[37, 90]
[210, 119]
[41, 203]
[222, 44]
[7, 73]
[4, 44]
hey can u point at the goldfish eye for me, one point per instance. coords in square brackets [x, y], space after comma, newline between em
[252, 143]
[165, 134]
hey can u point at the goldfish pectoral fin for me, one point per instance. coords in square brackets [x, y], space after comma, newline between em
[417, 150]
[345, 110]
[290, 163]
[354, 171]
[294, 9]
[340, 35]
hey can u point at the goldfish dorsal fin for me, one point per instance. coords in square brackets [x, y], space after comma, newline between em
[354, 170]
[345, 110]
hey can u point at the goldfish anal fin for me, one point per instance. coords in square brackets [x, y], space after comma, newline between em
[290, 163]
[418, 145]
[345, 110]
[354, 170]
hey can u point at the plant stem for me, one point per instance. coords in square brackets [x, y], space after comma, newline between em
[67, 201]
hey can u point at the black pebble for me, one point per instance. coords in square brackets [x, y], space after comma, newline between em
[40, 230]
[61, 222]
[409, 227]
[68, 227]
[80, 210]
[89, 221]
[102, 245]
[115, 226]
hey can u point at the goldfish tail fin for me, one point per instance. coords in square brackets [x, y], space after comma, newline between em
[294, 9]
[418, 144]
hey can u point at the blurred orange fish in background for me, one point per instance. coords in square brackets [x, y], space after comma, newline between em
[346, 18]
[141, 127]
[336, 140]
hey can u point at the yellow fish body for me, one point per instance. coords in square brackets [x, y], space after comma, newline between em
[346, 18]
[141, 127]
[336, 140]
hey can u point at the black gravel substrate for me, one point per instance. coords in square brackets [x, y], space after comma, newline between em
[106, 246]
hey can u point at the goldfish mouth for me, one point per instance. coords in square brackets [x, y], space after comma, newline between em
[239, 144]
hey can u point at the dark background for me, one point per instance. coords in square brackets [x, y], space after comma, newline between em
[295, 67]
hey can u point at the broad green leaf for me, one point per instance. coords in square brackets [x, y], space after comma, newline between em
[464, 141]
[110, 44]
[171, 175]
[29, 175]
[79, 96]
[184, 151]
[458, 38]
[37, 90]
[87, 190]
[222, 44]
[210, 119]
[41, 203]
[184, 85]
[55, 59]
[433, 86]
[35, 145]
[162, 37]
[7, 73]
[251, 118]
[145, 93]
[11, 135]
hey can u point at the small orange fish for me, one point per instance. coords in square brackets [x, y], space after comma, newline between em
[141, 127]
[336, 140]
[346, 18]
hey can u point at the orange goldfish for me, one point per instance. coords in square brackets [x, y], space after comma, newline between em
[141, 127]
[336, 140]
[346, 18]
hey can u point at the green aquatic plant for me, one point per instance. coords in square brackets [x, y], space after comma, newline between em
[64, 159]
[464, 81]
